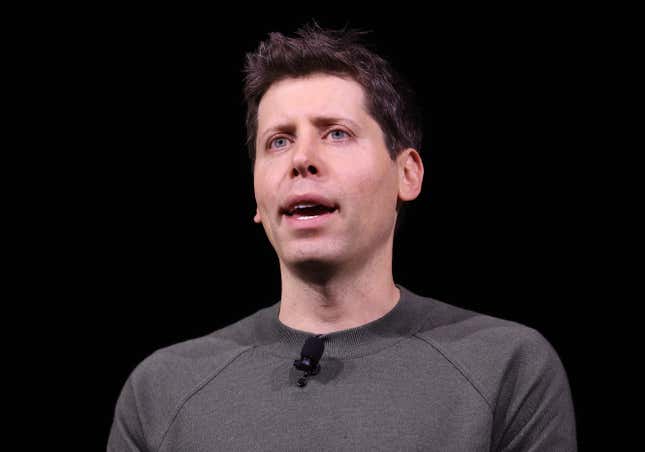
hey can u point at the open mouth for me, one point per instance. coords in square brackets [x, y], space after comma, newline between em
[309, 212]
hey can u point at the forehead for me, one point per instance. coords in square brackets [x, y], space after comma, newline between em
[292, 99]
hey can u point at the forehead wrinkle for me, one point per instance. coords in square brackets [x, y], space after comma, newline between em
[354, 97]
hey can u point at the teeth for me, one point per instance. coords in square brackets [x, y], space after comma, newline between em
[307, 217]
[303, 206]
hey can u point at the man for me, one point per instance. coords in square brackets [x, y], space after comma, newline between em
[334, 142]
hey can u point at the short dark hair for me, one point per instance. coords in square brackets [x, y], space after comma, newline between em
[390, 99]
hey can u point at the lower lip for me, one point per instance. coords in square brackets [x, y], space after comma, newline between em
[309, 222]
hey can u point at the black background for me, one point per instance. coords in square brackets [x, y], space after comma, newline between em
[151, 232]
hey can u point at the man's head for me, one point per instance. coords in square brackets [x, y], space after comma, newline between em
[328, 117]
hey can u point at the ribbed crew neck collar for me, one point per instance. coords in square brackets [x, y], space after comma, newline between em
[403, 320]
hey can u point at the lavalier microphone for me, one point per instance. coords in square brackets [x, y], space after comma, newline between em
[311, 352]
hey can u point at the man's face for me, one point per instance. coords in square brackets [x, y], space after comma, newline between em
[315, 137]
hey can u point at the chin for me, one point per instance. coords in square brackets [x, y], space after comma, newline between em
[307, 260]
[315, 270]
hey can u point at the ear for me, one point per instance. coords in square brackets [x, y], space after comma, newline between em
[257, 217]
[410, 169]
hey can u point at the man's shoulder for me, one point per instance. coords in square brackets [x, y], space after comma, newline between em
[461, 328]
[189, 361]
[160, 385]
[489, 351]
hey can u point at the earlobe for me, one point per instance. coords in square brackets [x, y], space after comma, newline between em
[257, 218]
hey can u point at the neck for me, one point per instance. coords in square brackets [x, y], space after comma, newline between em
[343, 299]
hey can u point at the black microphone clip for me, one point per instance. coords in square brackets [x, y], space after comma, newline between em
[312, 350]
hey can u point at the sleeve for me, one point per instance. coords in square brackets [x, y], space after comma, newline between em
[126, 433]
[534, 410]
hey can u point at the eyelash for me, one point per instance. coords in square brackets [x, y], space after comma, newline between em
[331, 131]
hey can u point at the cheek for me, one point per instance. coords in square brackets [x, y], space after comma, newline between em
[368, 184]
[261, 189]
[266, 196]
[376, 193]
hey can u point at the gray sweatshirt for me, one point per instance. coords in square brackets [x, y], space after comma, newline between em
[426, 376]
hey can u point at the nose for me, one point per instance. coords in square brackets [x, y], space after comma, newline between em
[304, 170]
[305, 159]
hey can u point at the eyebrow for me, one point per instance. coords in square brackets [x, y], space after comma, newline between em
[318, 121]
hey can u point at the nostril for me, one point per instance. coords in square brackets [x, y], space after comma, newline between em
[310, 169]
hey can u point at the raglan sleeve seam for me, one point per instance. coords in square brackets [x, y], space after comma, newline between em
[460, 368]
[189, 394]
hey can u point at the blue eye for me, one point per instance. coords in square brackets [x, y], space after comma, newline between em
[275, 142]
[339, 130]
[277, 139]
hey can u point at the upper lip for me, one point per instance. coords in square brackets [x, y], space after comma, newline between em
[313, 198]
